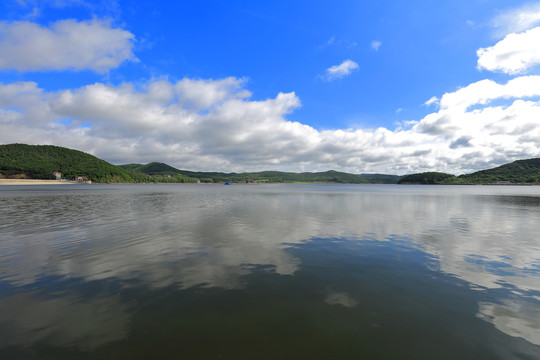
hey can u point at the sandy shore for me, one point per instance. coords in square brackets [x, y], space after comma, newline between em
[34, 182]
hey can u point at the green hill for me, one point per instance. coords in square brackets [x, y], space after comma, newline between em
[517, 172]
[427, 178]
[520, 171]
[40, 161]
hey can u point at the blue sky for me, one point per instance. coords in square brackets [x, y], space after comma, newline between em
[285, 85]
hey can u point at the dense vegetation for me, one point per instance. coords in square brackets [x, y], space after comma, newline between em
[265, 176]
[517, 172]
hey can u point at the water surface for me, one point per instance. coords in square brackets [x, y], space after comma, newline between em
[269, 271]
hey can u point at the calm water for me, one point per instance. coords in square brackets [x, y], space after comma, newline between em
[269, 272]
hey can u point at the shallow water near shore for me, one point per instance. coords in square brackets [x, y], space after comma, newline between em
[269, 271]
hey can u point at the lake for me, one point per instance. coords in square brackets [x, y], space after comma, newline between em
[269, 272]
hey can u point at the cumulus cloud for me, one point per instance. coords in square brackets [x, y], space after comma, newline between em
[341, 70]
[65, 45]
[485, 91]
[199, 124]
[515, 54]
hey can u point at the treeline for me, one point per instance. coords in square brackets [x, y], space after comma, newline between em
[517, 172]
[288, 177]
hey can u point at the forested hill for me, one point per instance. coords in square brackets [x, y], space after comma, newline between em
[520, 171]
[428, 178]
[40, 161]
[330, 176]
[517, 172]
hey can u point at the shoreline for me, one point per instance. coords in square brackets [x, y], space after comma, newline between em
[34, 182]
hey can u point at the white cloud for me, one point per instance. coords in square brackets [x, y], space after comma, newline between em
[515, 54]
[517, 20]
[485, 91]
[204, 93]
[341, 70]
[65, 45]
[432, 100]
[375, 45]
[215, 125]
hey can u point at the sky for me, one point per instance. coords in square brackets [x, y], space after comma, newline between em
[386, 86]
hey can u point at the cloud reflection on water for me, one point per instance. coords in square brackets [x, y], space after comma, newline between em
[192, 236]
[340, 298]
[515, 318]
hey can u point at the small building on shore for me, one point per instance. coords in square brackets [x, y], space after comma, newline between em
[58, 175]
[82, 180]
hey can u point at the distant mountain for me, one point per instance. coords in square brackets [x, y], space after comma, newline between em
[518, 172]
[330, 176]
[153, 168]
[40, 161]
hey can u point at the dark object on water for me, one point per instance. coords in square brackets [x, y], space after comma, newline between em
[228, 183]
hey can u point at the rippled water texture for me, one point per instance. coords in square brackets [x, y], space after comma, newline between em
[269, 272]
